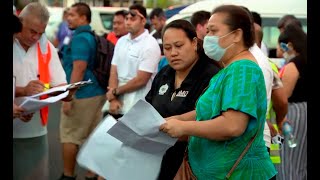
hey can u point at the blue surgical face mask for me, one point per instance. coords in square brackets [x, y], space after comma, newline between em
[212, 48]
[285, 47]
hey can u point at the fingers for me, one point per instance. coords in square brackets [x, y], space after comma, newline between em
[34, 87]
[36, 83]
[67, 106]
[17, 111]
[26, 117]
[163, 127]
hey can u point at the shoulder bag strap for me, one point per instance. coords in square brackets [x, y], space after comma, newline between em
[242, 154]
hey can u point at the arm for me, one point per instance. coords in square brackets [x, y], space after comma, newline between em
[79, 68]
[280, 105]
[113, 83]
[188, 116]
[33, 87]
[228, 125]
[115, 104]
[290, 78]
[136, 83]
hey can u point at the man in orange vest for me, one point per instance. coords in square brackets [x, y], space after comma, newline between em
[34, 58]
[119, 28]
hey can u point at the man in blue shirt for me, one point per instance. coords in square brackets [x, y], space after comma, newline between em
[80, 116]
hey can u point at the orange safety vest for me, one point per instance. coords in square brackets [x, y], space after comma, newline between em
[112, 38]
[44, 76]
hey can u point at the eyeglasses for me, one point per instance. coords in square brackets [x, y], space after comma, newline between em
[133, 13]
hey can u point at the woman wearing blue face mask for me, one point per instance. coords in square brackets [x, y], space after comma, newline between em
[230, 115]
[294, 78]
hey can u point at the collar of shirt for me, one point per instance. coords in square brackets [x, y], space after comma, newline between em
[43, 45]
[82, 28]
[140, 37]
[194, 72]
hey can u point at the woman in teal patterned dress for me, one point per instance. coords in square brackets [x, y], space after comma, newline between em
[232, 109]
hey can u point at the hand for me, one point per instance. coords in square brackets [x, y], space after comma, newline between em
[27, 117]
[115, 106]
[173, 127]
[66, 108]
[17, 111]
[273, 131]
[280, 124]
[70, 95]
[33, 87]
[110, 95]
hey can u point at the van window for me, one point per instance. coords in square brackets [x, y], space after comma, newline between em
[107, 20]
[271, 31]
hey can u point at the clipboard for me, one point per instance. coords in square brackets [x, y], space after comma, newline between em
[60, 89]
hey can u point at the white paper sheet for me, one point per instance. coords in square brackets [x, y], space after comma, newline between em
[134, 150]
[63, 88]
[31, 104]
[139, 129]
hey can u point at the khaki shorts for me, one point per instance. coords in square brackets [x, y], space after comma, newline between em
[85, 116]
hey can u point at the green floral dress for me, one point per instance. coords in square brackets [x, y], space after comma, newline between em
[239, 86]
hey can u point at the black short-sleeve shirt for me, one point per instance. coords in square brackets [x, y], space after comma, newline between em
[169, 101]
[299, 93]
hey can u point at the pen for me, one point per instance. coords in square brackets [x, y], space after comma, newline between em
[46, 85]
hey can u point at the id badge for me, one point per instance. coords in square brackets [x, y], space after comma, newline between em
[66, 40]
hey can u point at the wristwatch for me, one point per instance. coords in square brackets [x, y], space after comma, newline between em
[115, 92]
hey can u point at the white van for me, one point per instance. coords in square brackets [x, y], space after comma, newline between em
[270, 11]
[101, 19]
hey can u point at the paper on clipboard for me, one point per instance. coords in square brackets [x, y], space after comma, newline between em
[30, 104]
[63, 88]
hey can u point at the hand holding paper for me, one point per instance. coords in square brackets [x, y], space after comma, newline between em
[31, 104]
[131, 148]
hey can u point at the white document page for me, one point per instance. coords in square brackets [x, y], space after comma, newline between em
[137, 157]
[139, 129]
[31, 104]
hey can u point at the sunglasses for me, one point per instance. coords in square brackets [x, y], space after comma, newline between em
[134, 13]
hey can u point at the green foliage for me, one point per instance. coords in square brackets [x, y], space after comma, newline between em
[160, 3]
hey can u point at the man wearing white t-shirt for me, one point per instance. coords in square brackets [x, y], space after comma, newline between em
[134, 64]
[30, 145]
[263, 63]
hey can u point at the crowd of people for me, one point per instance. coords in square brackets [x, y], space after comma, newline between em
[210, 78]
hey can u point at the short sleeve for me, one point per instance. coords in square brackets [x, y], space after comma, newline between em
[80, 50]
[240, 91]
[150, 59]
